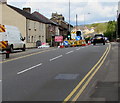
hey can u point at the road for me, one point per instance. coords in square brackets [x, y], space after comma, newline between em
[55, 74]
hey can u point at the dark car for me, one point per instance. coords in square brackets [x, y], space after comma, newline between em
[99, 38]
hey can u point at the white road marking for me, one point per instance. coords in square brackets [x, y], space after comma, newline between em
[0, 80]
[29, 68]
[69, 52]
[78, 49]
[82, 47]
[56, 57]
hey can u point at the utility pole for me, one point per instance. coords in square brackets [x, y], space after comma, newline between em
[76, 22]
[69, 17]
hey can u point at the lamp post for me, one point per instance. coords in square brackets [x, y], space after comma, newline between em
[76, 22]
[69, 31]
[85, 18]
[69, 15]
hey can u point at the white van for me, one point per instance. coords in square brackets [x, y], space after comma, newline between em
[13, 37]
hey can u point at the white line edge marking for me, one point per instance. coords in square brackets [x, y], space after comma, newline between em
[29, 68]
[56, 57]
[78, 49]
[69, 52]
[0, 80]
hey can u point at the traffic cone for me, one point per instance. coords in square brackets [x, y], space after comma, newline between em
[61, 46]
[83, 43]
[89, 42]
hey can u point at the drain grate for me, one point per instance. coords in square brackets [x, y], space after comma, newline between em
[67, 76]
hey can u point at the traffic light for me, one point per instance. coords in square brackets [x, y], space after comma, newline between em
[78, 33]
[68, 36]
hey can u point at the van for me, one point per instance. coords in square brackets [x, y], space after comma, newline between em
[11, 38]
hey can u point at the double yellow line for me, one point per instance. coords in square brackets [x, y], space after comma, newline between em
[77, 91]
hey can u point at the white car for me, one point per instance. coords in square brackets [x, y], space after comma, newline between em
[44, 46]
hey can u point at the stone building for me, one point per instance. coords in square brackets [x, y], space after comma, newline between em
[52, 28]
[30, 27]
[63, 25]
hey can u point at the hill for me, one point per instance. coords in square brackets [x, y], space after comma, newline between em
[98, 27]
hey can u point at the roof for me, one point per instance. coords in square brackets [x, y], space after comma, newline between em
[26, 14]
[68, 24]
[43, 18]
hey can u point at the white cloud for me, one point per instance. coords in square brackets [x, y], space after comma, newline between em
[17, 0]
[100, 10]
[63, 1]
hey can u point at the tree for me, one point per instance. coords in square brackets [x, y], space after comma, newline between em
[111, 30]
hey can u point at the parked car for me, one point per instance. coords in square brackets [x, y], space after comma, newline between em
[99, 38]
[44, 45]
[106, 40]
[12, 37]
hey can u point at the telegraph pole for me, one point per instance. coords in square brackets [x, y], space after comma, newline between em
[76, 22]
[69, 15]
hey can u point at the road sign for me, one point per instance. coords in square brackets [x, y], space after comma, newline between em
[78, 37]
[58, 38]
[65, 42]
[73, 34]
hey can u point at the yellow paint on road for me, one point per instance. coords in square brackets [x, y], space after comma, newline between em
[81, 82]
[26, 56]
[89, 79]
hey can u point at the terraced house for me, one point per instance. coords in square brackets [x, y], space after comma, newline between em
[32, 28]
[52, 28]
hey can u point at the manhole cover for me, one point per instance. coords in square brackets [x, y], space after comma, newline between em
[67, 76]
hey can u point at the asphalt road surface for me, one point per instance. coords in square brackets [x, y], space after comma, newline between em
[58, 74]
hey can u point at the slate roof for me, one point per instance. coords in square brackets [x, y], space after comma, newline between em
[43, 18]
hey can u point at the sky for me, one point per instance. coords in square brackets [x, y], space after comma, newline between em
[87, 11]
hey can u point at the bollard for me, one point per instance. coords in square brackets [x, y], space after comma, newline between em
[7, 54]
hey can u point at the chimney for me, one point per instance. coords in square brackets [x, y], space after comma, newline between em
[27, 10]
[3, 1]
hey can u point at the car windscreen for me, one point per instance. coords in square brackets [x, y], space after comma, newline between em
[99, 35]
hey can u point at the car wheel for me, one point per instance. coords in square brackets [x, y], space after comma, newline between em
[104, 43]
[94, 43]
[24, 48]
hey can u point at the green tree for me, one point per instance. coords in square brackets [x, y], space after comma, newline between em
[111, 30]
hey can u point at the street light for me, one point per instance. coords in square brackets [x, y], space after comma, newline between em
[69, 15]
[69, 20]
[85, 18]
[76, 22]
